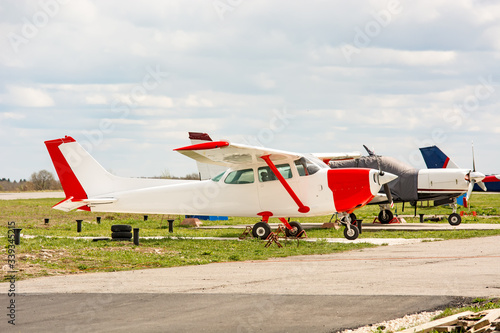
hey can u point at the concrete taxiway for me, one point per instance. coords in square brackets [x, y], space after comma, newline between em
[320, 293]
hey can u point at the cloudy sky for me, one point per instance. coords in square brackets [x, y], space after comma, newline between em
[129, 79]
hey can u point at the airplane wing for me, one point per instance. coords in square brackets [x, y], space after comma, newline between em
[205, 170]
[230, 155]
[327, 157]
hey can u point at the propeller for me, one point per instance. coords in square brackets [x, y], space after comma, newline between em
[387, 190]
[474, 177]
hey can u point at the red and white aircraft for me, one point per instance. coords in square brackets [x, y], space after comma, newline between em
[258, 182]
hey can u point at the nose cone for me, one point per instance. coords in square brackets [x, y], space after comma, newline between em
[477, 176]
[387, 177]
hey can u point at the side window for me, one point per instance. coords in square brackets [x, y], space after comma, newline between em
[306, 167]
[240, 177]
[266, 174]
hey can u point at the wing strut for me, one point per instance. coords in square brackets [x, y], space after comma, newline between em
[302, 208]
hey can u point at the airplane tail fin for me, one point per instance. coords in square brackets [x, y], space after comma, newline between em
[435, 158]
[81, 176]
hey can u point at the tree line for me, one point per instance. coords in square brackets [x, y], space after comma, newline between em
[44, 180]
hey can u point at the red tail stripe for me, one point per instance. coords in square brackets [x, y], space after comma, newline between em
[446, 162]
[69, 182]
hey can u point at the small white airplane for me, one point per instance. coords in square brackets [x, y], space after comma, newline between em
[442, 186]
[259, 182]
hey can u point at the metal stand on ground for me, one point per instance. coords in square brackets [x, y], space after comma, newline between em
[79, 225]
[395, 220]
[17, 235]
[136, 236]
[273, 238]
[170, 225]
[248, 231]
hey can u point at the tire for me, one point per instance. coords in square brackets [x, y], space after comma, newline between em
[297, 229]
[454, 219]
[385, 216]
[121, 234]
[261, 230]
[352, 233]
[121, 227]
[121, 239]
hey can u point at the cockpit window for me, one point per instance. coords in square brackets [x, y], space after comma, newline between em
[266, 174]
[218, 177]
[240, 177]
[306, 167]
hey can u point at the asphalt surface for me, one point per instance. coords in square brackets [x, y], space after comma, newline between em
[321, 293]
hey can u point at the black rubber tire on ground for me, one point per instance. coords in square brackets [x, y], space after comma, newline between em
[297, 229]
[121, 227]
[121, 239]
[121, 234]
[261, 230]
[351, 233]
[454, 219]
[385, 216]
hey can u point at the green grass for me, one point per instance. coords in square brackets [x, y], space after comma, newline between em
[48, 256]
[477, 306]
[43, 256]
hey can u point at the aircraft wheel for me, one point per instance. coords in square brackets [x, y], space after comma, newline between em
[454, 219]
[297, 228]
[385, 216]
[351, 233]
[261, 230]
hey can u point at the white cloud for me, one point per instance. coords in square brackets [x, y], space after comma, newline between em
[228, 76]
[26, 96]
[12, 115]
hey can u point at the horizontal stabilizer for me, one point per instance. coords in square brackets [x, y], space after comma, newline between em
[71, 203]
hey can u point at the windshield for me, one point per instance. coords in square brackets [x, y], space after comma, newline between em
[309, 166]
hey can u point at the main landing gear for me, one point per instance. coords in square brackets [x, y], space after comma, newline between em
[385, 216]
[262, 229]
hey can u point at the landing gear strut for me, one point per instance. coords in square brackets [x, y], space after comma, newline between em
[351, 231]
[454, 218]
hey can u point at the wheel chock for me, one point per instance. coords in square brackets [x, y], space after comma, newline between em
[245, 233]
[273, 238]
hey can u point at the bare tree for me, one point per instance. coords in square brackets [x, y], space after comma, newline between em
[42, 180]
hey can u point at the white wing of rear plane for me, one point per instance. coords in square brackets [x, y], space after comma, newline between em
[327, 157]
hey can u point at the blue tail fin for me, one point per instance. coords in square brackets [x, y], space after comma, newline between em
[435, 159]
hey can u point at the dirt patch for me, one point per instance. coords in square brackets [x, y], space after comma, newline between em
[28, 264]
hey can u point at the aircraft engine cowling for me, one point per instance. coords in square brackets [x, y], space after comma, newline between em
[354, 187]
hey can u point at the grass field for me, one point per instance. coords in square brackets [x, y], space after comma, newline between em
[43, 256]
